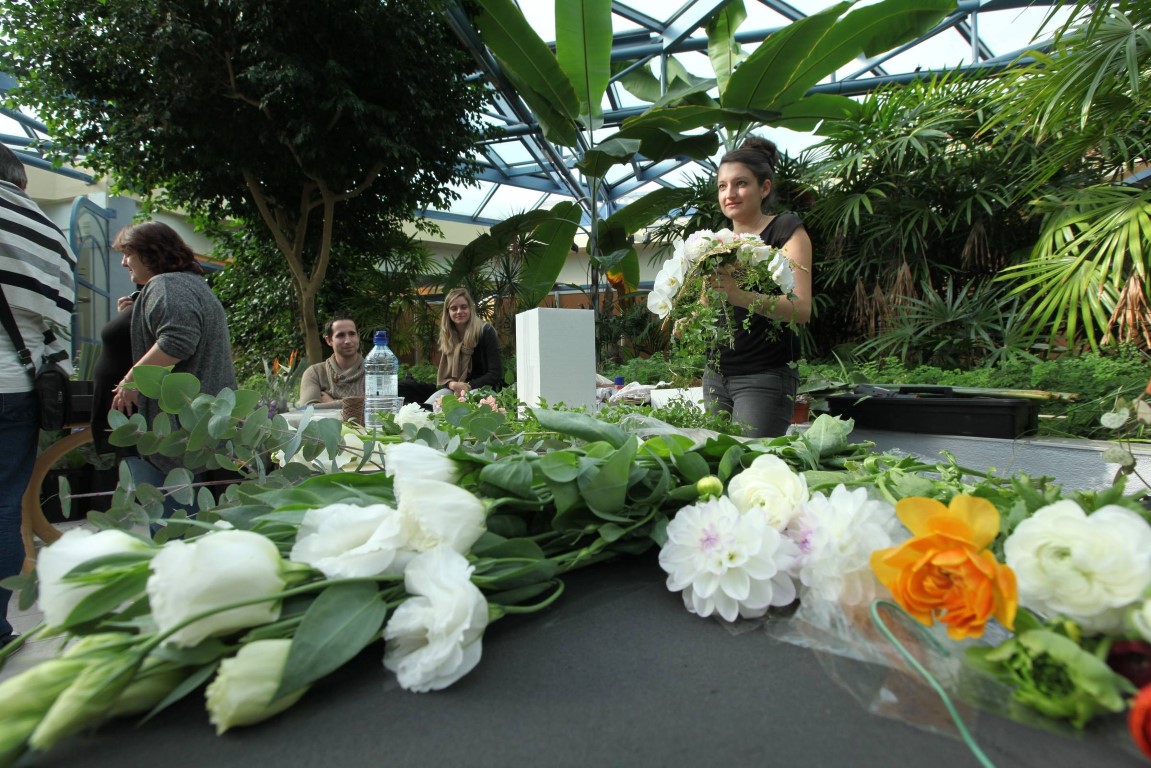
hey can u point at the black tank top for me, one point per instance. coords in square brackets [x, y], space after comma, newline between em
[763, 344]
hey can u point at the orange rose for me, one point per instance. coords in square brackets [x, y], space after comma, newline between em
[1139, 720]
[945, 571]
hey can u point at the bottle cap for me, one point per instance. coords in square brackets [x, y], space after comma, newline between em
[381, 337]
[619, 381]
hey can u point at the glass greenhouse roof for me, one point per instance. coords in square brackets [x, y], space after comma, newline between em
[520, 170]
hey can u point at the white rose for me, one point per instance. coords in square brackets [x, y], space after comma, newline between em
[242, 691]
[215, 570]
[1086, 567]
[769, 487]
[436, 513]
[435, 637]
[413, 461]
[414, 414]
[345, 541]
[698, 243]
[77, 546]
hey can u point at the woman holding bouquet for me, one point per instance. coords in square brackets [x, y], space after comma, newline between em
[753, 379]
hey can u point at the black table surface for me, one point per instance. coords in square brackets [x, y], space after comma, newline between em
[617, 672]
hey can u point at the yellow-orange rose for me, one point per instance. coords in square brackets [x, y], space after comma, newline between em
[944, 571]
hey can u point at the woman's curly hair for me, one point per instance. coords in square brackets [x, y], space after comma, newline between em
[159, 247]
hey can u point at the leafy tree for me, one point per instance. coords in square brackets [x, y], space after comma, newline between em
[1087, 102]
[330, 121]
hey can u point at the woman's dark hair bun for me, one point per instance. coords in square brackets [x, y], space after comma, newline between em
[765, 146]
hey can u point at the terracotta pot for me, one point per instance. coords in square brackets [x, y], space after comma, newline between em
[800, 413]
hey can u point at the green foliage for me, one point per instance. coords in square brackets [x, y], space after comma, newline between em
[1087, 104]
[257, 111]
[676, 370]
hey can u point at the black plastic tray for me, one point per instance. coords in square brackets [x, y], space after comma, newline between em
[936, 410]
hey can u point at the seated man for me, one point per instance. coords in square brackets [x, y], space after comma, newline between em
[326, 384]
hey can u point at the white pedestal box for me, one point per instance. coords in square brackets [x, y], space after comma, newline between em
[555, 357]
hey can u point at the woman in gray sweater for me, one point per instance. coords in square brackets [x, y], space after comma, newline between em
[176, 321]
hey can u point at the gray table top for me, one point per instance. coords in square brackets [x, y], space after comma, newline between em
[615, 673]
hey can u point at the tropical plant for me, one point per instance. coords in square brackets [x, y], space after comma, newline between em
[268, 112]
[911, 194]
[564, 89]
[1087, 102]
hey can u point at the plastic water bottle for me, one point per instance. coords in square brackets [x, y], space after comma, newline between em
[381, 381]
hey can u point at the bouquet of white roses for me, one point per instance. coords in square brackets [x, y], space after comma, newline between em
[682, 291]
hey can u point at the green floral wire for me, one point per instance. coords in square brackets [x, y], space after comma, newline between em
[964, 733]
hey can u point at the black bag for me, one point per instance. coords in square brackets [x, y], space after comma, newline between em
[50, 382]
[54, 391]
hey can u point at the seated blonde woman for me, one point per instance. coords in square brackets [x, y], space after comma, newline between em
[469, 347]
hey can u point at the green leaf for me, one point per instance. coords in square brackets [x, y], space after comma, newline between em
[343, 620]
[692, 466]
[793, 60]
[722, 48]
[599, 160]
[513, 475]
[532, 68]
[185, 494]
[605, 489]
[581, 425]
[110, 596]
[148, 379]
[583, 50]
[654, 205]
[560, 466]
[191, 683]
[548, 252]
[827, 435]
[178, 390]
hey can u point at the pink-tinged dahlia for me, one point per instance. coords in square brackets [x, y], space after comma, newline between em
[727, 563]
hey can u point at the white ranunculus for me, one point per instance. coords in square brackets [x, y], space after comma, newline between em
[58, 597]
[436, 513]
[242, 690]
[769, 487]
[659, 302]
[413, 461]
[1089, 568]
[414, 414]
[208, 573]
[435, 637]
[836, 535]
[345, 541]
[726, 562]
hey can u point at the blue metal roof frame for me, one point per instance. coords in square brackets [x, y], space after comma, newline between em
[550, 170]
[647, 32]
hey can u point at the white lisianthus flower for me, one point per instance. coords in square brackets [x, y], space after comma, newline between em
[242, 690]
[345, 541]
[413, 461]
[208, 573]
[769, 487]
[836, 535]
[1086, 567]
[58, 597]
[414, 414]
[435, 637]
[726, 562]
[436, 513]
